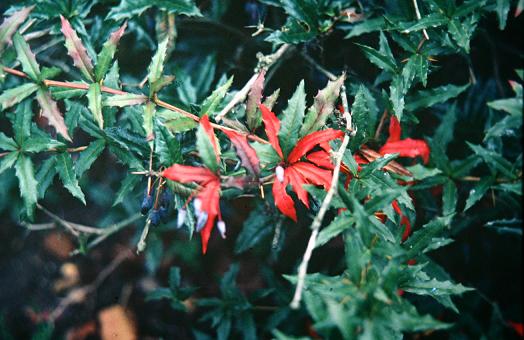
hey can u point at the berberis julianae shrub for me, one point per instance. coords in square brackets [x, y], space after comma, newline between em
[402, 148]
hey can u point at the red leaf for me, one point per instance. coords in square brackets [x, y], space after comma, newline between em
[313, 174]
[76, 50]
[394, 130]
[518, 327]
[310, 141]
[283, 201]
[272, 125]
[321, 159]
[210, 198]
[186, 174]
[296, 180]
[407, 148]
[204, 122]
[403, 220]
[247, 154]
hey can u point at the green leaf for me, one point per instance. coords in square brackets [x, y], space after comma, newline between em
[449, 198]
[381, 60]
[256, 228]
[45, 175]
[21, 120]
[89, 156]
[291, 119]
[15, 95]
[366, 26]
[66, 93]
[397, 92]
[428, 98]
[493, 160]
[149, 116]
[7, 161]
[40, 143]
[51, 112]
[507, 126]
[205, 149]
[427, 21]
[266, 154]
[11, 24]
[502, 9]
[94, 97]
[26, 58]
[340, 224]
[131, 8]
[322, 107]
[175, 122]
[157, 63]
[478, 191]
[210, 103]
[27, 182]
[462, 32]
[7, 143]
[67, 175]
[421, 238]
[512, 106]
[167, 146]
[444, 132]
[106, 55]
[127, 186]
[122, 100]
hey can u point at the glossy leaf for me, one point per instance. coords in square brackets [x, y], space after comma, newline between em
[26, 58]
[106, 55]
[77, 50]
[51, 112]
[291, 119]
[67, 174]
[15, 95]
[94, 98]
[11, 24]
[28, 185]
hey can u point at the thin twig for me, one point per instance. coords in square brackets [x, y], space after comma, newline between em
[82, 86]
[417, 13]
[317, 222]
[264, 63]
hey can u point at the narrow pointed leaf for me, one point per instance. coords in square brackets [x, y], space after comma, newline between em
[310, 141]
[292, 118]
[11, 24]
[27, 182]
[51, 112]
[7, 143]
[188, 174]
[15, 95]
[76, 50]
[7, 161]
[211, 103]
[128, 99]
[94, 98]
[253, 101]
[478, 191]
[323, 106]
[67, 174]
[283, 201]
[207, 145]
[272, 126]
[26, 58]
[106, 55]
[157, 63]
[89, 156]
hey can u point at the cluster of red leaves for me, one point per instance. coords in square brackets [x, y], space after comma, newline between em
[208, 194]
[408, 147]
[316, 169]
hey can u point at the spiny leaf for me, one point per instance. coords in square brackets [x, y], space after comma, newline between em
[15, 95]
[76, 50]
[26, 58]
[207, 145]
[292, 119]
[7, 143]
[7, 161]
[11, 24]
[67, 175]
[131, 8]
[272, 127]
[105, 57]
[478, 191]
[253, 101]
[128, 184]
[89, 156]
[94, 97]
[51, 112]
[428, 98]
[493, 160]
[157, 63]
[210, 103]
[380, 59]
[127, 99]
[27, 182]
[45, 175]
[322, 107]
